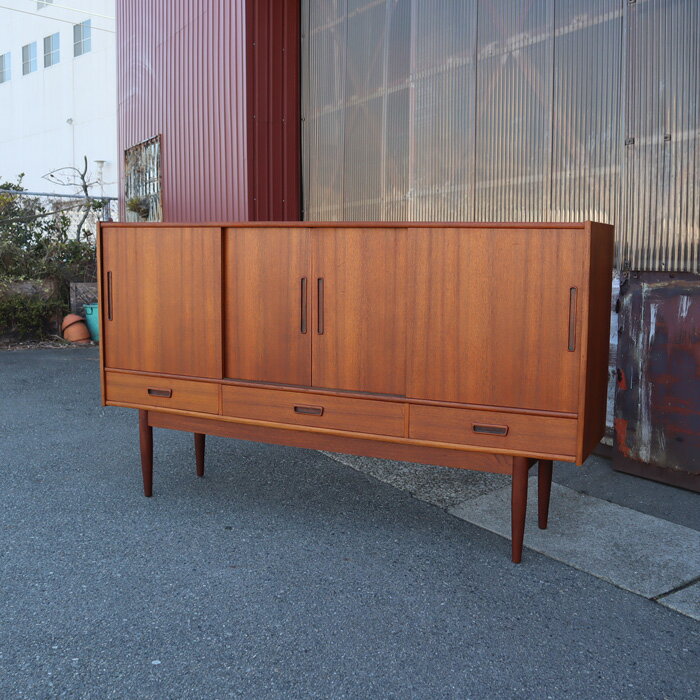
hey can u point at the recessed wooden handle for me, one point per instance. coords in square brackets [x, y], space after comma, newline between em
[572, 318]
[309, 410]
[109, 296]
[490, 429]
[303, 304]
[320, 306]
[165, 393]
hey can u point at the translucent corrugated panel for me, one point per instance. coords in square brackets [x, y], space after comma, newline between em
[661, 218]
[586, 129]
[503, 110]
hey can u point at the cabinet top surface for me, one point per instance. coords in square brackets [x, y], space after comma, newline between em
[348, 224]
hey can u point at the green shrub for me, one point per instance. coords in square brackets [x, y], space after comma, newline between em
[34, 245]
[29, 317]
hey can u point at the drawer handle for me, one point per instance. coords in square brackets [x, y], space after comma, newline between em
[166, 393]
[309, 410]
[490, 429]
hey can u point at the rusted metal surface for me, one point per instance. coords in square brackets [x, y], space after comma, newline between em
[181, 73]
[273, 110]
[657, 407]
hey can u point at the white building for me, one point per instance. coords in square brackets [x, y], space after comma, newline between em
[58, 91]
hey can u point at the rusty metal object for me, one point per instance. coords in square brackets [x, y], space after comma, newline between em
[657, 406]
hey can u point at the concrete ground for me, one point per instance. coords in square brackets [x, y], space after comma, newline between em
[285, 573]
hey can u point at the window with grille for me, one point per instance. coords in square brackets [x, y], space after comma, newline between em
[51, 50]
[81, 38]
[142, 182]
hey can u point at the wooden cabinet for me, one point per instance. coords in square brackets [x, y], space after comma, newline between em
[470, 345]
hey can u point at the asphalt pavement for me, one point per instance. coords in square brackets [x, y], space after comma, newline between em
[282, 574]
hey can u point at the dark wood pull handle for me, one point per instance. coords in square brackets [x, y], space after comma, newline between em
[303, 304]
[490, 429]
[109, 296]
[572, 318]
[166, 393]
[320, 306]
[309, 410]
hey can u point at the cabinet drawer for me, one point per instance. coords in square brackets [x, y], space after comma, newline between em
[336, 412]
[512, 431]
[162, 392]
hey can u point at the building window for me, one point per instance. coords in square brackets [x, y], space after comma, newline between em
[4, 67]
[51, 50]
[29, 58]
[142, 190]
[81, 38]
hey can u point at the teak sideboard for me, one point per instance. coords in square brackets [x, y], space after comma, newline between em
[480, 346]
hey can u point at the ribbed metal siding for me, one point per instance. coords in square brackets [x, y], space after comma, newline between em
[273, 98]
[181, 74]
[506, 110]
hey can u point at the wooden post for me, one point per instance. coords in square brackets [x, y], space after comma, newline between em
[146, 444]
[544, 488]
[518, 505]
[199, 452]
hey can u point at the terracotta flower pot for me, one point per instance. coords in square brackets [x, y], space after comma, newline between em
[74, 329]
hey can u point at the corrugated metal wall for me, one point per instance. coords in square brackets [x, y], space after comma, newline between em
[273, 97]
[503, 110]
[181, 74]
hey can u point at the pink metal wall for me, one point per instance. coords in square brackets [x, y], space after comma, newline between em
[181, 73]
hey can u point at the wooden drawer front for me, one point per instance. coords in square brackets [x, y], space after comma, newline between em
[336, 412]
[513, 431]
[162, 392]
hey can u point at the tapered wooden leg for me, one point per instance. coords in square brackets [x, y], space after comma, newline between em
[544, 488]
[199, 452]
[146, 443]
[518, 506]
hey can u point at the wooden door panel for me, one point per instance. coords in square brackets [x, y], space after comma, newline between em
[163, 286]
[363, 310]
[264, 269]
[490, 318]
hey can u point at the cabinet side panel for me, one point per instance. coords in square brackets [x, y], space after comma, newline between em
[595, 367]
[163, 287]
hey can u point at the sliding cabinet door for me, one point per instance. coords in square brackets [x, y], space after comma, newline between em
[267, 305]
[162, 291]
[359, 285]
[495, 316]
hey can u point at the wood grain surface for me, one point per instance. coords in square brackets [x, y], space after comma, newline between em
[165, 297]
[490, 316]
[356, 415]
[517, 431]
[479, 461]
[262, 317]
[363, 345]
[164, 392]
